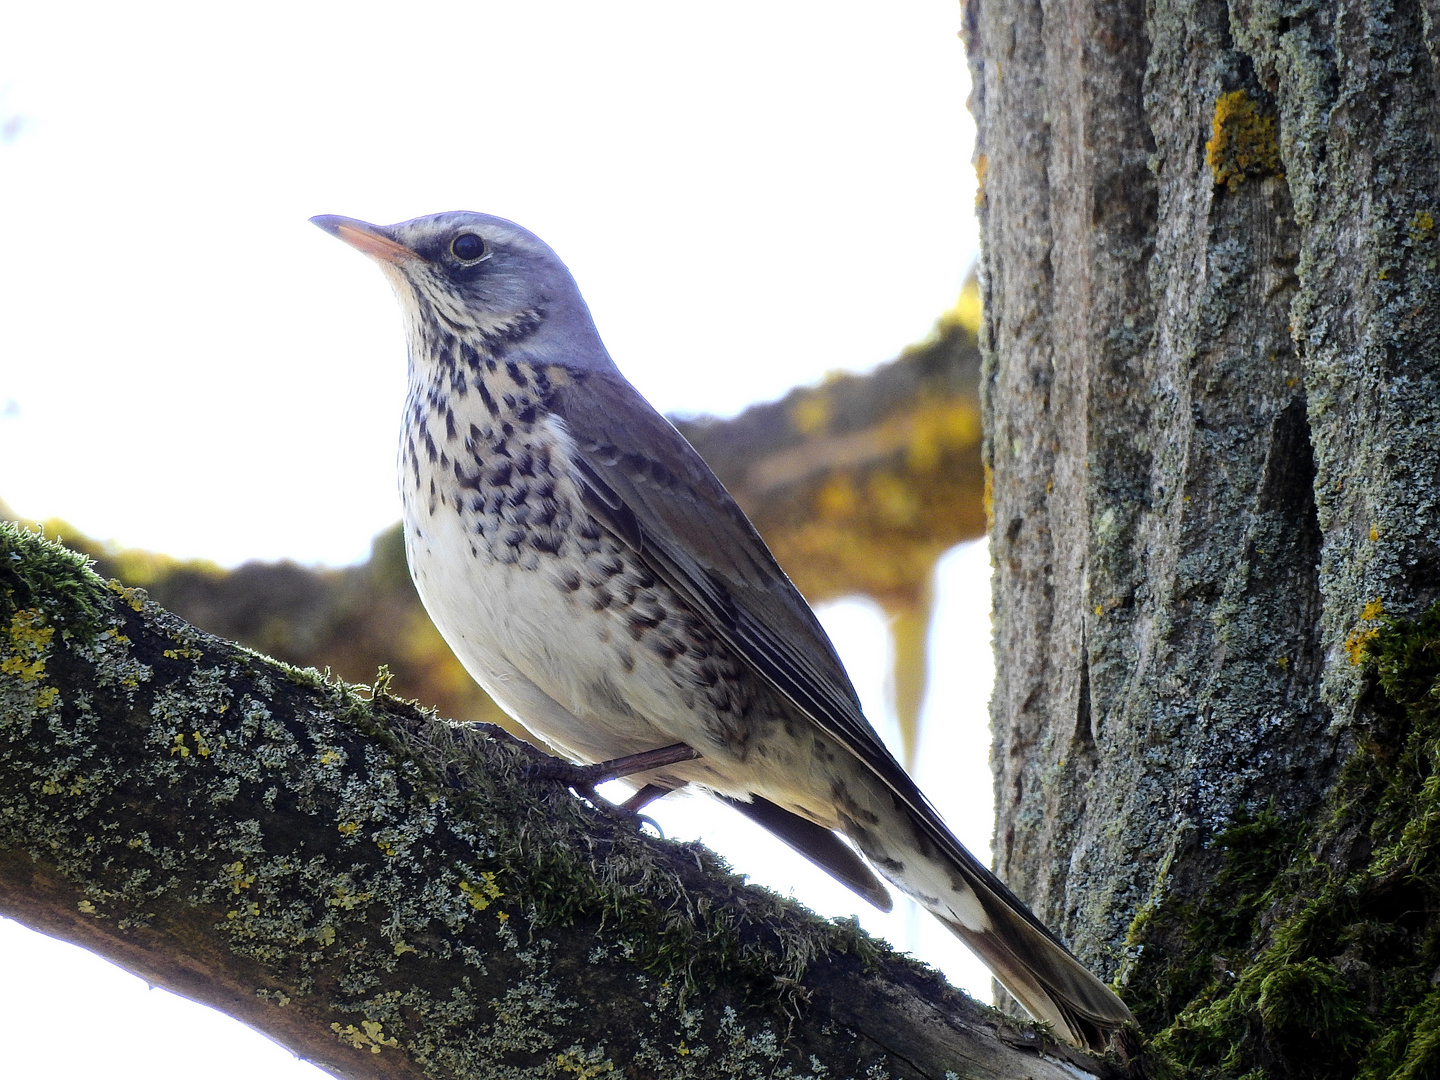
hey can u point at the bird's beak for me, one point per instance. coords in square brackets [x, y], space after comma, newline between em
[365, 237]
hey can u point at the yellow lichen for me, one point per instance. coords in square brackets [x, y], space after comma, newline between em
[1243, 141]
[28, 646]
[238, 878]
[349, 828]
[1357, 645]
[127, 594]
[348, 900]
[481, 895]
[369, 1035]
[584, 1064]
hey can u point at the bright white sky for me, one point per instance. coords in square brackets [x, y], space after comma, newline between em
[750, 195]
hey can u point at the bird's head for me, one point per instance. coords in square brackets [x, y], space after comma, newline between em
[477, 280]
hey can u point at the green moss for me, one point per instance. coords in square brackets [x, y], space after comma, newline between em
[1314, 954]
[48, 577]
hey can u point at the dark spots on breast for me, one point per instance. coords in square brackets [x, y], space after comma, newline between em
[490, 404]
[490, 364]
[509, 400]
[507, 429]
[546, 542]
[526, 415]
[514, 538]
[542, 458]
[518, 494]
[545, 488]
[449, 422]
[589, 529]
[601, 598]
[525, 463]
[626, 659]
[500, 477]
[432, 452]
[570, 581]
[545, 513]
[516, 375]
[469, 355]
[641, 622]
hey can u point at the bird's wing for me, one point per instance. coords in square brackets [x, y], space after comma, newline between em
[646, 484]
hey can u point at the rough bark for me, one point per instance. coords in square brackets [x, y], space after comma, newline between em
[393, 895]
[1212, 402]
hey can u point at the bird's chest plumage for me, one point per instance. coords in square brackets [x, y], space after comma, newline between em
[557, 619]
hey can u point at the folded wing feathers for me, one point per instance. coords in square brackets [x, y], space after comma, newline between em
[1064, 992]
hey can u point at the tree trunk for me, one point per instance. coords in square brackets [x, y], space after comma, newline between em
[390, 895]
[1212, 402]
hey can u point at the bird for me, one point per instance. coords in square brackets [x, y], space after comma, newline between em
[597, 580]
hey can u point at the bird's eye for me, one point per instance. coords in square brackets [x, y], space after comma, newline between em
[467, 247]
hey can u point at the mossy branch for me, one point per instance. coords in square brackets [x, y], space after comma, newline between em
[389, 894]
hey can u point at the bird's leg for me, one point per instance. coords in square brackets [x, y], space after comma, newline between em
[584, 778]
[644, 797]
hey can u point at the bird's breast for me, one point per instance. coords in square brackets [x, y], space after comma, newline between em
[528, 588]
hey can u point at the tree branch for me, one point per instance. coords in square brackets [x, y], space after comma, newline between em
[388, 894]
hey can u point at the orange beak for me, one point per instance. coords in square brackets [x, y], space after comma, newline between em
[365, 237]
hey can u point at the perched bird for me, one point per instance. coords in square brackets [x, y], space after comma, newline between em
[599, 582]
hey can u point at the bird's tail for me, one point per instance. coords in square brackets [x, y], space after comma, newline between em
[1041, 973]
[1030, 962]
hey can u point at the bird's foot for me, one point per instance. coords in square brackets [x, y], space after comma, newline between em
[583, 779]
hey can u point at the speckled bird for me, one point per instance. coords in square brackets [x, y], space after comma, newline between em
[600, 583]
